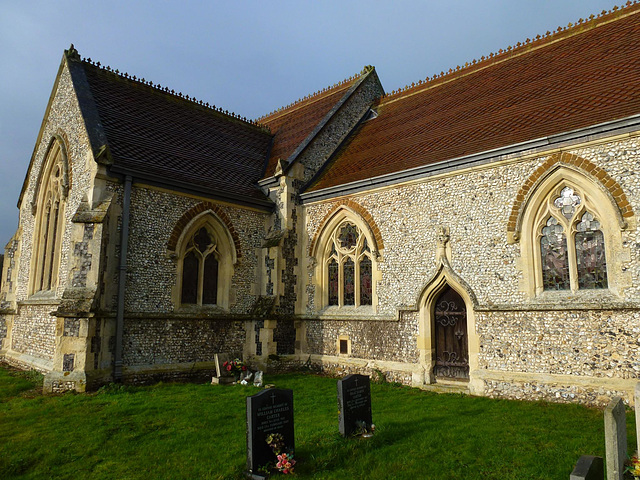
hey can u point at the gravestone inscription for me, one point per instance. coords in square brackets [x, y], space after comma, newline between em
[268, 412]
[354, 403]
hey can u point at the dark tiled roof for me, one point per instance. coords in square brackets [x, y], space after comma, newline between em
[159, 134]
[585, 75]
[293, 124]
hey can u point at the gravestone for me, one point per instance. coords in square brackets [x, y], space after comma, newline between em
[270, 411]
[615, 437]
[223, 377]
[637, 401]
[354, 403]
[588, 468]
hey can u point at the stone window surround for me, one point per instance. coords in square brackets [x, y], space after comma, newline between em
[343, 338]
[227, 258]
[56, 156]
[322, 252]
[536, 211]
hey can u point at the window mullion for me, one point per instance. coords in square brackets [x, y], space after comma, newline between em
[573, 262]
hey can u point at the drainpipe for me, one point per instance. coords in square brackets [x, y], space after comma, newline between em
[122, 276]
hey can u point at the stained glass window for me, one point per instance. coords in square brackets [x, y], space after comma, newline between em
[567, 202]
[349, 267]
[349, 282]
[555, 261]
[348, 236]
[333, 282]
[365, 281]
[590, 255]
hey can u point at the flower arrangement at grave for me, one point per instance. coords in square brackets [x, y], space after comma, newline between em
[364, 430]
[633, 467]
[285, 461]
[235, 367]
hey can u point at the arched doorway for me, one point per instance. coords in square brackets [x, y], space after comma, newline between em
[450, 338]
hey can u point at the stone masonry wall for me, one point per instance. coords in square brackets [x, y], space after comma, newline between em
[34, 331]
[157, 341]
[475, 205]
[375, 340]
[152, 273]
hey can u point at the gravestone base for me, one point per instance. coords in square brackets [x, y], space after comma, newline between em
[223, 380]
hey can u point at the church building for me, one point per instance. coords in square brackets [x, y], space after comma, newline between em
[474, 232]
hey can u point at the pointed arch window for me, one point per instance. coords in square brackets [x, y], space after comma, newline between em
[48, 206]
[200, 270]
[572, 244]
[349, 267]
[205, 257]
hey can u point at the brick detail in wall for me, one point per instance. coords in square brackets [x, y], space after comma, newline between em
[565, 158]
[366, 216]
[191, 214]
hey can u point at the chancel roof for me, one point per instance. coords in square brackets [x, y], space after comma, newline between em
[161, 136]
[581, 76]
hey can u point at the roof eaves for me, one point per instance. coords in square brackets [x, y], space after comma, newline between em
[368, 70]
[561, 140]
[265, 204]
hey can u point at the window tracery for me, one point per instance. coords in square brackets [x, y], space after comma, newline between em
[205, 256]
[572, 246]
[200, 270]
[49, 208]
[349, 267]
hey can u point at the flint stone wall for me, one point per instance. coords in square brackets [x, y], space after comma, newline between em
[475, 206]
[158, 341]
[64, 118]
[34, 331]
[152, 273]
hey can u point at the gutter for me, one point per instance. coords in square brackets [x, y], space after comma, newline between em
[596, 132]
[122, 276]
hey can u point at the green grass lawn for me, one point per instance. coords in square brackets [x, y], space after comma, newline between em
[189, 431]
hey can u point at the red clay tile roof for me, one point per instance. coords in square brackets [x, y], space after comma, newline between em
[291, 125]
[158, 133]
[585, 75]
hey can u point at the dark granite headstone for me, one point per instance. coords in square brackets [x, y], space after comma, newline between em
[270, 411]
[588, 468]
[354, 402]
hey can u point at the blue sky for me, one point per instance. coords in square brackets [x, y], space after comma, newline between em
[247, 56]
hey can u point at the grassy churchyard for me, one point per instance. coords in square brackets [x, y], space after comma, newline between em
[189, 431]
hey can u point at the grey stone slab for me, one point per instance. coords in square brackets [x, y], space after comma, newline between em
[220, 358]
[615, 434]
[588, 467]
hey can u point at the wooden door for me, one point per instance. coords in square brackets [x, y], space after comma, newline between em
[451, 342]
